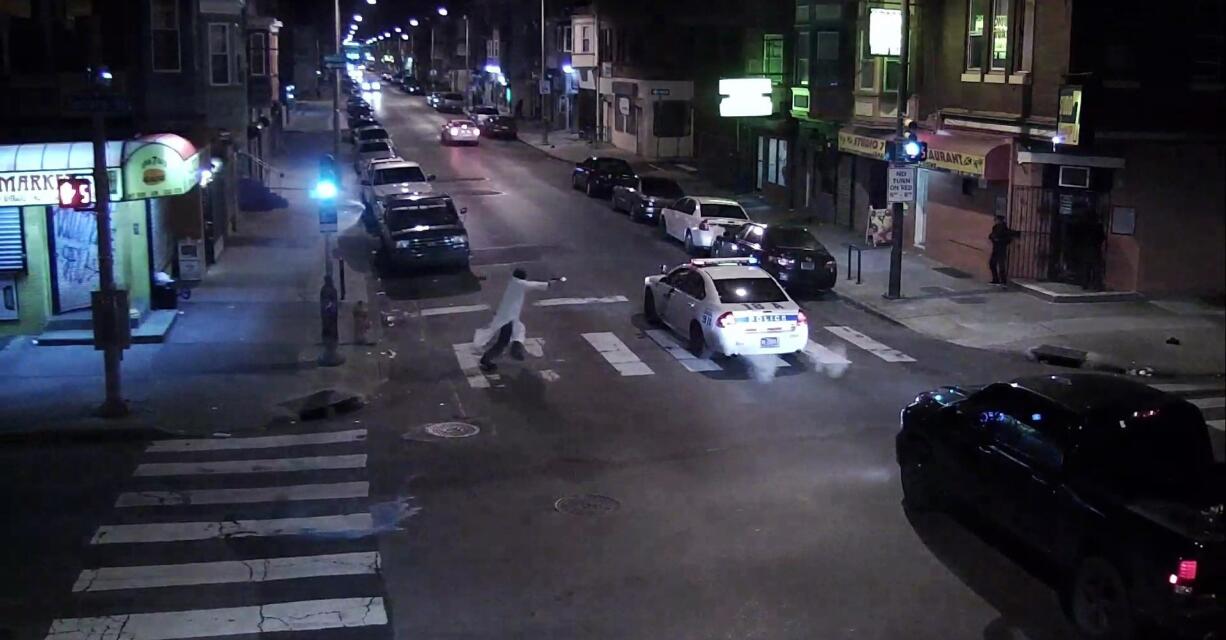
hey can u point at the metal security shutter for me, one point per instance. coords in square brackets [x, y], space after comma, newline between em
[12, 246]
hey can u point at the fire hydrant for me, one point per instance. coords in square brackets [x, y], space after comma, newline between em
[361, 324]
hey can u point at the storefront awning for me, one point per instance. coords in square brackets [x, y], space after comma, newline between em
[870, 144]
[968, 154]
[147, 167]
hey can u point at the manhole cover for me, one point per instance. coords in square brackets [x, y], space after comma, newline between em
[452, 430]
[586, 505]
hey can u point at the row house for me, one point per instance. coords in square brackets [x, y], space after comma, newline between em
[1075, 120]
[181, 117]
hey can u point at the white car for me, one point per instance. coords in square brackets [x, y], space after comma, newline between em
[393, 177]
[699, 220]
[373, 150]
[368, 133]
[728, 306]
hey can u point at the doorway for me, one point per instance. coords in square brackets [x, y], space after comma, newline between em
[921, 207]
[74, 263]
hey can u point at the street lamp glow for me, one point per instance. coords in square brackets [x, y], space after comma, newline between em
[357, 17]
[404, 36]
[386, 34]
[397, 29]
[413, 22]
[371, 1]
[442, 11]
[566, 68]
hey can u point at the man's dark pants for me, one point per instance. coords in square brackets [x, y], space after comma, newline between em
[998, 263]
[496, 349]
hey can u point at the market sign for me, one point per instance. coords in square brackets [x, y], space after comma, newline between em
[956, 161]
[155, 170]
[22, 188]
[866, 146]
[745, 97]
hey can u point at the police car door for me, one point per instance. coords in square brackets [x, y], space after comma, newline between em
[684, 305]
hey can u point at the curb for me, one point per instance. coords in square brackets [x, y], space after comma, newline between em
[540, 150]
[872, 310]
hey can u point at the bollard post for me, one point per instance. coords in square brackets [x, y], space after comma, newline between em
[361, 324]
[328, 313]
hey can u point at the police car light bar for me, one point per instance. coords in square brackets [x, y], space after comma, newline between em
[717, 262]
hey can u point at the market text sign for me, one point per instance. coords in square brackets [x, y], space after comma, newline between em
[21, 188]
[745, 97]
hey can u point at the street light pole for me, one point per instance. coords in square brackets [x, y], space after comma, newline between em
[896, 218]
[544, 111]
[468, 66]
[336, 84]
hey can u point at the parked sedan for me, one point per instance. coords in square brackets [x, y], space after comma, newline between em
[450, 103]
[374, 150]
[646, 199]
[460, 132]
[500, 127]
[482, 114]
[699, 220]
[360, 110]
[362, 120]
[433, 97]
[598, 175]
[369, 133]
[791, 254]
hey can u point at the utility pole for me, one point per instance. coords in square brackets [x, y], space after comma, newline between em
[897, 223]
[110, 305]
[329, 312]
[468, 67]
[336, 90]
[540, 90]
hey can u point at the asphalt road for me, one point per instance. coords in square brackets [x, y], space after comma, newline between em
[690, 500]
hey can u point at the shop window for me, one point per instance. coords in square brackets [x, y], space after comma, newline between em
[802, 11]
[626, 119]
[1000, 35]
[671, 119]
[826, 59]
[12, 241]
[564, 37]
[258, 43]
[802, 58]
[828, 12]
[988, 36]
[606, 37]
[977, 18]
[777, 161]
[772, 56]
[585, 42]
[164, 35]
[219, 54]
[890, 75]
[880, 43]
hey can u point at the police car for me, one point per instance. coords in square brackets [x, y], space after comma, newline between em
[728, 306]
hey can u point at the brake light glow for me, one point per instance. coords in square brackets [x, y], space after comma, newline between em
[801, 318]
[704, 225]
[1187, 570]
[724, 319]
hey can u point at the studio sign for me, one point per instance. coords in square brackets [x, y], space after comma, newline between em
[42, 187]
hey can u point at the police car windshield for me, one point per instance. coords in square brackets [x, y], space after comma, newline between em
[433, 214]
[715, 210]
[379, 145]
[399, 174]
[733, 290]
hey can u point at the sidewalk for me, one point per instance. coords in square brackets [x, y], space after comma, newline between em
[946, 304]
[245, 342]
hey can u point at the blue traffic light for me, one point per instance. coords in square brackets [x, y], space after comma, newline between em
[324, 190]
[911, 148]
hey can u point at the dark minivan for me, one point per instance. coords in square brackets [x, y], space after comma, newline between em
[423, 231]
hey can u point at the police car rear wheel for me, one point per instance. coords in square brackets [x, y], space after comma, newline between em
[698, 342]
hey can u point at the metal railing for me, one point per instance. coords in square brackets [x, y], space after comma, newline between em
[859, 262]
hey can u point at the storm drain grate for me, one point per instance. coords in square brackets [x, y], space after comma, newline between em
[586, 505]
[952, 272]
[452, 430]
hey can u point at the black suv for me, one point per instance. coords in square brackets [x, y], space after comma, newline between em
[597, 176]
[790, 253]
[423, 231]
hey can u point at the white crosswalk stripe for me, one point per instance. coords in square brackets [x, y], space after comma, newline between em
[1220, 425]
[327, 587]
[868, 344]
[672, 345]
[616, 353]
[470, 364]
[1184, 387]
[1208, 403]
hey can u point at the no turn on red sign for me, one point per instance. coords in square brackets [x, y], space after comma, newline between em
[901, 186]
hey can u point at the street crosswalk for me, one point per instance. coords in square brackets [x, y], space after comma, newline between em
[1208, 396]
[223, 537]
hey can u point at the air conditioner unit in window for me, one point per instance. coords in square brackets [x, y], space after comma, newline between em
[1075, 177]
[8, 298]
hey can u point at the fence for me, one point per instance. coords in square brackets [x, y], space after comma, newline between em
[1049, 245]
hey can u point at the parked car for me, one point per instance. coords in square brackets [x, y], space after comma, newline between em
[482, 113]
[360, 110]
[598, 175]
[362, 120]
[500, 127]
[729, 306]
[790, 253]
[394, 177]
[368, 133]
[450, 103]
[1112, 480]
[411, 87]
[433, 97]
[698, 220]
[373, 150]
[459, 132]
[645, 199]
[423, 231]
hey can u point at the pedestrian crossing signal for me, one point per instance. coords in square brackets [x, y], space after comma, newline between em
[910, 150]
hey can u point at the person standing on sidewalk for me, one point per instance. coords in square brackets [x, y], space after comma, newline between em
[998, 262]
[506, 323]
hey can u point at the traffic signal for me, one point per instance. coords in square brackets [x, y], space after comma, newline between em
[911, 149]
[327, 187]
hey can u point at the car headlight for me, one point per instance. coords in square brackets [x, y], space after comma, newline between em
[476, 132]
[455, 131]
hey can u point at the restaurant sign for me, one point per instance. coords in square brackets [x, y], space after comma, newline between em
[867, 146]
[155, 171]
[22, 188]
[956, 161]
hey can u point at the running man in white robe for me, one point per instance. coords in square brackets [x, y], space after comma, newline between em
[506, 324]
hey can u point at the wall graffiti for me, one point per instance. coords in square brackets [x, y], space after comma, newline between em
[76, 258]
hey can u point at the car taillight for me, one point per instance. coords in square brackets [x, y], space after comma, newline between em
[831, 264]
[801, 318]
[704, 225]
[1185, 575]
[724, 319]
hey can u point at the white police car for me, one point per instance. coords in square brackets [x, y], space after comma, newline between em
[726, 305]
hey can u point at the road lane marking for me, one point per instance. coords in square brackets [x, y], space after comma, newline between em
[1208, 403]
[1175, 387]
[1220, 425]
[672, 345]
[292, 493]
[353, 523]
[263, 442]
[560, 302]
[535, 347]
[616, 353]
[446, 311]
[549, 375]
[276, 465]
[823, 355]
[868, 344]
[303, 615]
[470, 364]
[227, 572]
